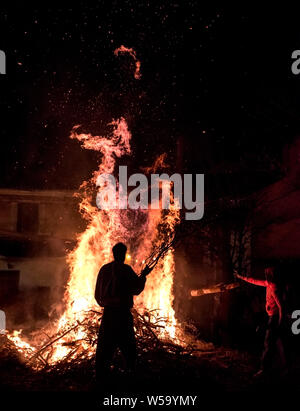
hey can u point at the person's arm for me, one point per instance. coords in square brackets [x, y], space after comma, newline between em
[139, 281]
[278, 301]
[97, 289]
[251, 280]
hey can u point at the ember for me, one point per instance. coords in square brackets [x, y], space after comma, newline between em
[132, 53]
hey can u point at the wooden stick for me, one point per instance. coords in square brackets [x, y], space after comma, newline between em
[217, 288]
[52, 342]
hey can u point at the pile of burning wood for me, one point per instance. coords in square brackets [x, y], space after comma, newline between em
[75, 342]
[149, 330]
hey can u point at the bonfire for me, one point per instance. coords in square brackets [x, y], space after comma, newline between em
[150, 235]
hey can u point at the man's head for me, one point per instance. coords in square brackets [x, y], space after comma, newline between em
[274, 273]
[119, 252]
[269, 273]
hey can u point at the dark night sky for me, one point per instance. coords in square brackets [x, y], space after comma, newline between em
[219, 78]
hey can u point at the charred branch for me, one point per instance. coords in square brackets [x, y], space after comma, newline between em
[217, 288]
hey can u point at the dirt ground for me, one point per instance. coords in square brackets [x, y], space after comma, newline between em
[216, 369]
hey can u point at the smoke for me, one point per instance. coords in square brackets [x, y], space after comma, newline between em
[39, 297]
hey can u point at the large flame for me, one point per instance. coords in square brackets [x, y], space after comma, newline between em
[139, 229]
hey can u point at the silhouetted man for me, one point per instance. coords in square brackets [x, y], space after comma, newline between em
[274, 308]
[116, 285]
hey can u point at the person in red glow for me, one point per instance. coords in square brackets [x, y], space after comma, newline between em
[274, 309]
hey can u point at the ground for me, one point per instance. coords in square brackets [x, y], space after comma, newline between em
[213, 369]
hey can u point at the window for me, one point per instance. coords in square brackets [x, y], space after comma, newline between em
[28, 218]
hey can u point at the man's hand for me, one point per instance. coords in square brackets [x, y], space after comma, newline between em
[147, 270]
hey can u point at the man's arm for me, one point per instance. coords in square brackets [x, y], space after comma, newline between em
[251, 280]
[97, 289]
[278, 301]
[139, 281]
[139, 284]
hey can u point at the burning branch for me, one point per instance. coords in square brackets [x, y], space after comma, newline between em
[148, 330]
[217, 288]
[51, 343]
[157, 253]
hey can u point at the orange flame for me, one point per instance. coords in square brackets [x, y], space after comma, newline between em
[139, 229]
